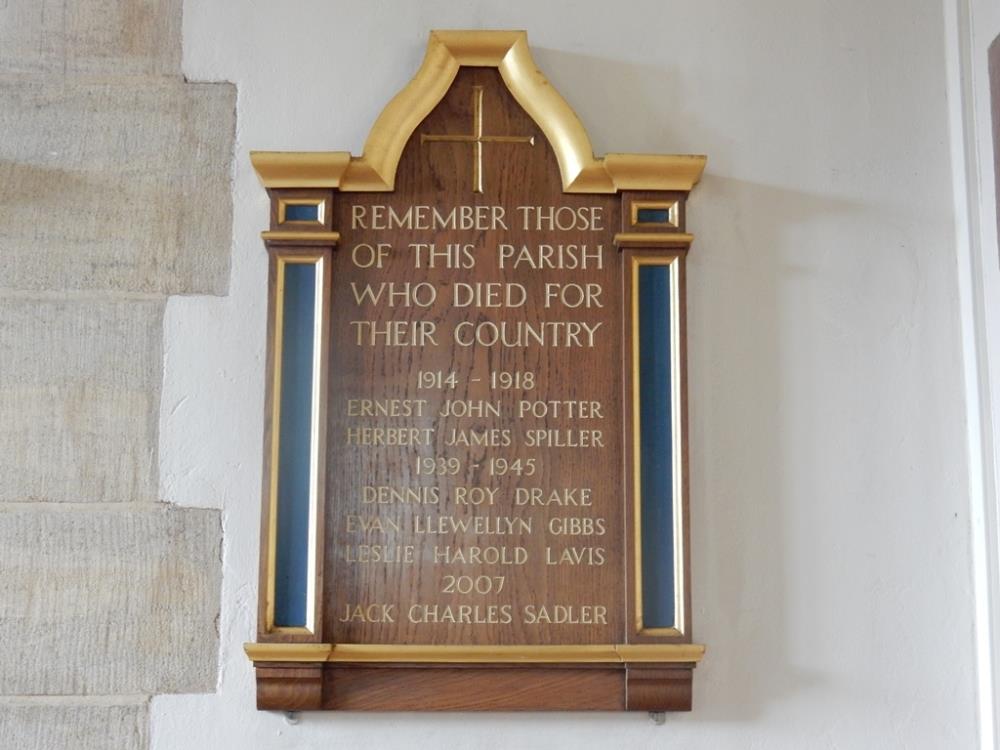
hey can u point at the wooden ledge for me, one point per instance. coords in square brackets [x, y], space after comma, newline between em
[666, 653]
[654, 239]
[277, 237]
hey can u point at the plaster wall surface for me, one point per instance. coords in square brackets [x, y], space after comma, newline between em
[974, 28]
[831, 529]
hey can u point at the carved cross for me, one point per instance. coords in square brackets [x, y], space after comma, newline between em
[477, 139]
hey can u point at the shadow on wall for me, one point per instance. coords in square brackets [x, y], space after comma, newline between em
[741, 267]
[737, 268]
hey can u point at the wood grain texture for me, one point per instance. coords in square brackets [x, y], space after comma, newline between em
[291, 687]
[440, 174]
[474, 689]
[628, 197]
[658, 688]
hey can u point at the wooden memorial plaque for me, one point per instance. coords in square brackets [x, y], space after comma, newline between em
[475, 486]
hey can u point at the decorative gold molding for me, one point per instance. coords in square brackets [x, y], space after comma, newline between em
[291, 652]
[447, 51]
[654, 239]
[666, 653]
[321, 305]
[676, 629]
[300, 169]
[671, 207]
[319, 203]
[326, 239]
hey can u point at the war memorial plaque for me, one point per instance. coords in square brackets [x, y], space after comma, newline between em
[475, 489]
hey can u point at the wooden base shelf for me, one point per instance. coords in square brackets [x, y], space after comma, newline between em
[471, 687]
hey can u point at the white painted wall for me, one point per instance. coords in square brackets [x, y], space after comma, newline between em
[972, 25]
[831, 522]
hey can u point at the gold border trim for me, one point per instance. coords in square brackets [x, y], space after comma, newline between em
[316, 479]
[677, 455]
[508, 51]
[319, 203]
[305, 652]
[327, 239]
[654, 239]
[663, 653]
[671, 207]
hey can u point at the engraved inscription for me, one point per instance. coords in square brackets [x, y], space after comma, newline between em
[475, 454]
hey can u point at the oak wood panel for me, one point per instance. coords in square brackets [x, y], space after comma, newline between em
[289, 687]
[474, 689]
[658, 688]
[440, 174]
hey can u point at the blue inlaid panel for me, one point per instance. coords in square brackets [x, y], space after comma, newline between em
[301, 212]
[653, 216]
[656, 447]
[294, 453]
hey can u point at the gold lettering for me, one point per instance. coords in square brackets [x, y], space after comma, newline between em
[370, 524]
[475, 555]
[463, 614]
[385, 407]
[389, 436]
[488, 294]
[475, 495]
[476, 409]
[553, 333]
[395, 333]
[454, 255]
[567, 496]
[564, 438]
[565, 614]
[479, 525]
[383, 495]
[560, 409]
[575, 556]
[562, 218]
[573, 295]
[542, 257]
[395, 295]
[490, 438]
[369, 613]
[577, 526]
[399, 554]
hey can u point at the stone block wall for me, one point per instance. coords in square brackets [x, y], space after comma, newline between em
[114, 193]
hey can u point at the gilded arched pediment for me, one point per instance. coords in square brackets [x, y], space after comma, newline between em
[508, 52]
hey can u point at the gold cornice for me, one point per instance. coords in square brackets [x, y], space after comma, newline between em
[447, 51]
[663, 653]
[300, 169]
[654, 171]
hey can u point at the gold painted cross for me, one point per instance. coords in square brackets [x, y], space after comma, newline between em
[477, 139]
